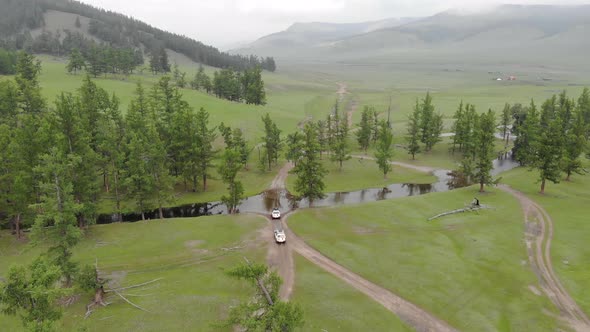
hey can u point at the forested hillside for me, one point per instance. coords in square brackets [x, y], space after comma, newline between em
[19, 18]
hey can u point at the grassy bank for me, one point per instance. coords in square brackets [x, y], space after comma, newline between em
[567, 204]
[187, 253]
[468, 269]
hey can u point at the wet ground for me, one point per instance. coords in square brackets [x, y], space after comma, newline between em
[280, 198]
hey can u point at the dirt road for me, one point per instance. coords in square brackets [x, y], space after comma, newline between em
[342, 91]
[538, 236]
[418, 318]
[280, 257]
[424, 169]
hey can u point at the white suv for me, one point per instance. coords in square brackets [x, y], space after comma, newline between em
[280, 236]
[275, 214]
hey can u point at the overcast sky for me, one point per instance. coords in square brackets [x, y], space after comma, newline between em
[224, 23]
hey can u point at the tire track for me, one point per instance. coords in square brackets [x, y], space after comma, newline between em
[538, 237]
[408, 312]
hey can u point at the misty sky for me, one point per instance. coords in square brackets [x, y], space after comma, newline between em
[224, 23]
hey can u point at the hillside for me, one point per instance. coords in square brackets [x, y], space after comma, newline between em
[314, 34]
[41, 26]
[506, 33]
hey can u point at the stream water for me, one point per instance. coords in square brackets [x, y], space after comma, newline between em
[267, 200]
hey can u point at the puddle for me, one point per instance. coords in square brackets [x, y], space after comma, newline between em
[266, 201]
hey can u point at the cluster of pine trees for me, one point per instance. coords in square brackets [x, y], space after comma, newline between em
[137, 157]
[424, 126]
[7, 62]
[99, 60]
[119, 31]
[552, 139]
[475, 139]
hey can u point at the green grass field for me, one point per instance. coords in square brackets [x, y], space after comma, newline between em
[332, 305]
[567, 204]
[187, 253]
[469, 269]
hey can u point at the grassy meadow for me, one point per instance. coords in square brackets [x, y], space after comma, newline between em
[567, 204]
[331, 304]
[469, 269]
[187, 253]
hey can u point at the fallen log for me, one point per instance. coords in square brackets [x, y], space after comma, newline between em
[262, 287]
[133, 286]
[467, 209]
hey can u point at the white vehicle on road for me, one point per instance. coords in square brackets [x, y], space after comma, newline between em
[280, 236]
[275, 214]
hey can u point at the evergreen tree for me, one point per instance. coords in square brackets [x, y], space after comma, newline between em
[76, 62]
[431, 124]
[527, 137]
[363, 134]
[186, 141]
[505, 122]
[458, 127]
[58, 208]
[31, 293]
[322, 136]
[584, 109]
[575, 142]
[413, 132]
[77, 22]
[384, 151]
[75, 140]
[138, 181]
[550, 150]
[253, 87]
[27, 81]
[240, 144]
[484, 152]
[205, 151]
[310, 171]
[272, 141]
[340, 146]
[294, 147]
[271, 313]
[228, 169]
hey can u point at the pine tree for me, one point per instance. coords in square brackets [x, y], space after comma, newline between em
[575, 142]
[58, 208]
[413, 132]
[322, 136]
[363, 134]
[31, 293]
[205, 151]
[77, 22]
[384, 151]
[458, 127]
[272, 140]
[484, 152]
[527, 137]
[294, 144]
[76, 62]
[505, 122]
[340, 147]
[431, 124]
[550, 150]
[228, 169]
[310, 171]
[27, 81]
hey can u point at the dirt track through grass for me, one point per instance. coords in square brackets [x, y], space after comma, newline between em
[538, 242]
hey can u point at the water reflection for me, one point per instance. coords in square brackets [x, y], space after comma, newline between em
[267, 200]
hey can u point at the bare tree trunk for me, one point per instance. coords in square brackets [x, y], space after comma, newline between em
[17, 226]
[204, 182]
[543, 186]
[569, 174]
[117, 198]
[481, 190]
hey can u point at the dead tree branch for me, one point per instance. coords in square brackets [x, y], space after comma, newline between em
[131, 303]
[262, 287]
[467, 209]
[133, 286]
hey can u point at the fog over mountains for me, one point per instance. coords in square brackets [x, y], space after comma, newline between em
[520, 30]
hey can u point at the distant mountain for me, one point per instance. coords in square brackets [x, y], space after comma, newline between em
[55, 26]
[316, 34]
[508, 31]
